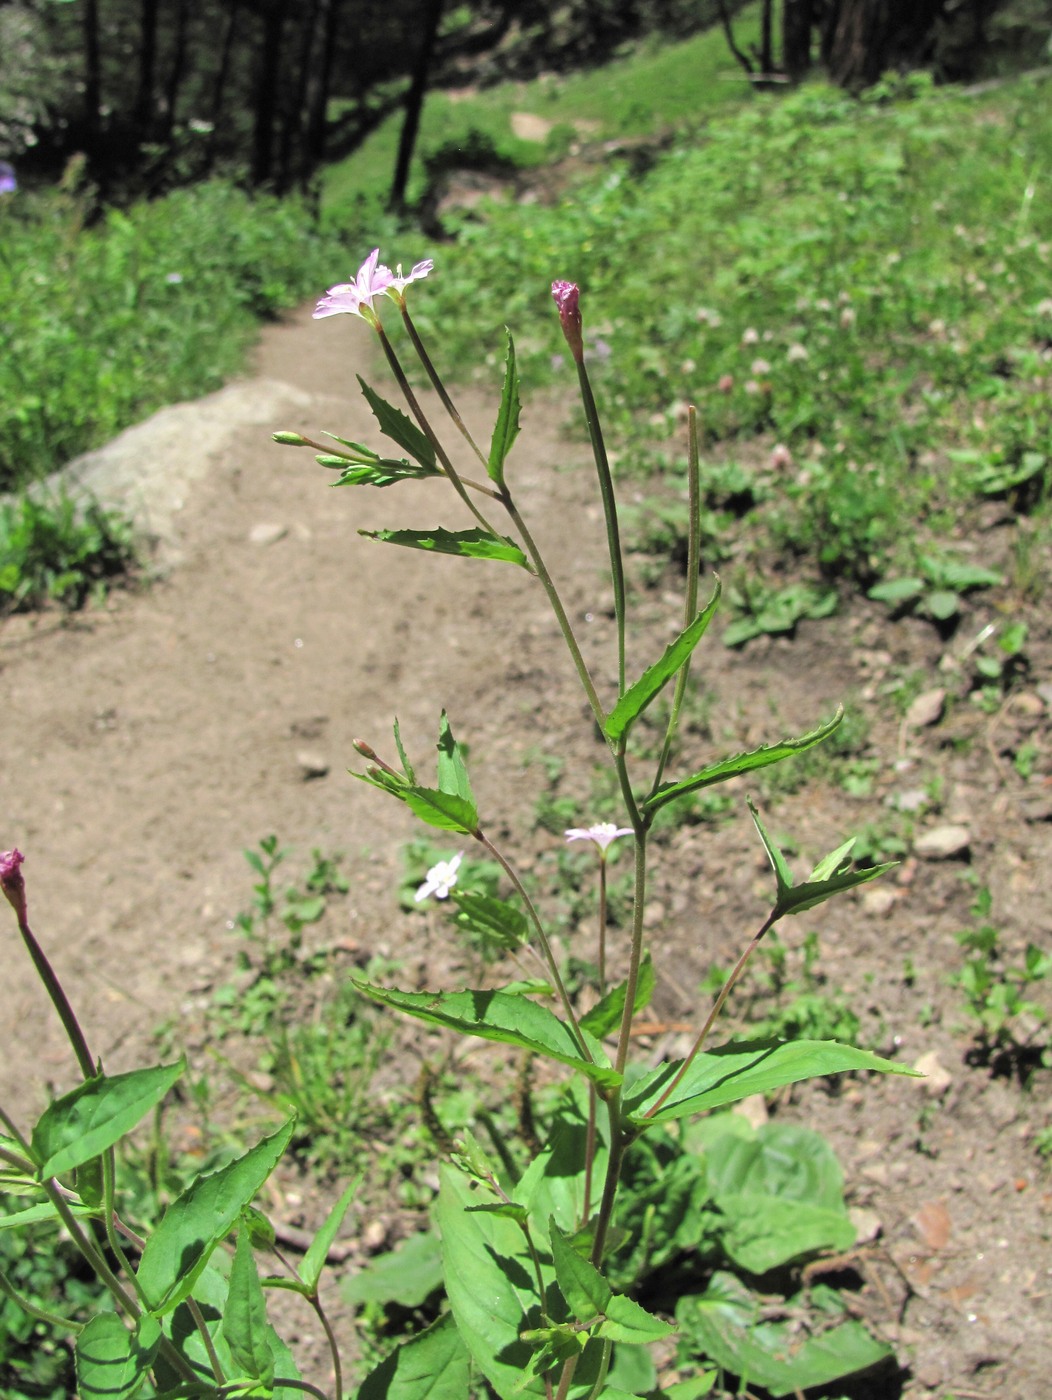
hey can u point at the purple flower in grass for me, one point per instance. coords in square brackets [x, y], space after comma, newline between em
[8, 183]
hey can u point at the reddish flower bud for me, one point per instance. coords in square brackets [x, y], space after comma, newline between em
[12, 883]
[566, 295]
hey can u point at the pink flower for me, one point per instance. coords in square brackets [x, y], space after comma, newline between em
[602, 834]
[725, 383]
[781, 456]
[567, 295]
[12, 883]
[356, 297]
[396, 291]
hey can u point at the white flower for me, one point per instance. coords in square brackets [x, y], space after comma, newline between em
[796, 353]
[440, 878]
[602, 834]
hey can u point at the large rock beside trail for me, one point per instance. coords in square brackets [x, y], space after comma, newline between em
[148, 471]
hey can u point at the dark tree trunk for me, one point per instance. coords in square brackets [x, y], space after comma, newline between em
[143, 111]
[796, 37]
[219, 86]
[728, 31]
[871, 36]
[178, 68]
[294, 116]
[266, 100]
[766, 53]
[319, 95]
[414, 102]
[92, 77]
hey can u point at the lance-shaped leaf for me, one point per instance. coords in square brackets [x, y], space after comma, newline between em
[452, 771]
[82, 1124]
[395, 425]
[827, 879]
[650, 684]
[468, 544]
[506, 429]
[732, 1072]
[494, 921]
[32, 1215]
[592, 1300]
[443, 810]
[178, 1250]
[245, 1327]
[384, 472]
[606, 1014]
[316, 1255]
[513, 1020]
[742, 763]
[113, 1361]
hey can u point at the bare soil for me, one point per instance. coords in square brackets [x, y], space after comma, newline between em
[147, 742]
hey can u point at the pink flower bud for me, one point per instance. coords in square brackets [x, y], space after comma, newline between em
[566, 295]
[725, 383]
[12, 883]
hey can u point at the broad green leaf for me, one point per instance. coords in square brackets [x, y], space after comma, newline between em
[742, 763]
[452, 772]
[491, 1285]
[627, 1322]
[733, 1072]
[506, 429]
[897, 590]
[650, 684]
[606, 1014]
[725, 1324]
[245, 1325]
[407, 1275]
[942, 604]
[552, 1186]
[492, 920]
[434, 1365]
[796, 899]
[112, 1361]
[394, 424]
[764, 1233]
[96, 1114]
[178, 1250]
[468, 544]
[513, 1020]
[959, 576]
[443, 810]
[316, 1255]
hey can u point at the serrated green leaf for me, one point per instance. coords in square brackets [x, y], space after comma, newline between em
[606, 1014]
[493, 920]
[586, 1292]
[406, 765]
[650, 684]
[443, 810]
[740, 763]
[82, 1124]
[831, 864]
[506, 429]
[513, 1020]
[315, 1257]
[113, 1361]
[177, 1251]
[395, 425]
[507, 1209]
[797, 899]
[245, 1327]
[626, 1321]
[434, 1365]
[733, 1072]
[468, 544]
[452, 772]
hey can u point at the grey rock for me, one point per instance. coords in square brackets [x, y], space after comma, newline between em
[943, 843]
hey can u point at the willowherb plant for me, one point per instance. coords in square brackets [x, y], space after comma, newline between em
[526, 1253]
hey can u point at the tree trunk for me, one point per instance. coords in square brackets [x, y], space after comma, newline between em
[92, 77]
[266, 102]
[219, 86]
[318, 100]
[178, 68]
[414, 103]
[766, 53]
[294, 116]
[143, 111]
[728, 31]
[796, 38]
[869, 37]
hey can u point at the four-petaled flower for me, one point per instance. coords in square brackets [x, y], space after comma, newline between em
[440, 878]
[396, 291]
[602, 834]
[357, 297]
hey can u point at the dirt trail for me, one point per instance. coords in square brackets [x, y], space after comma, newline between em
[147, 743]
